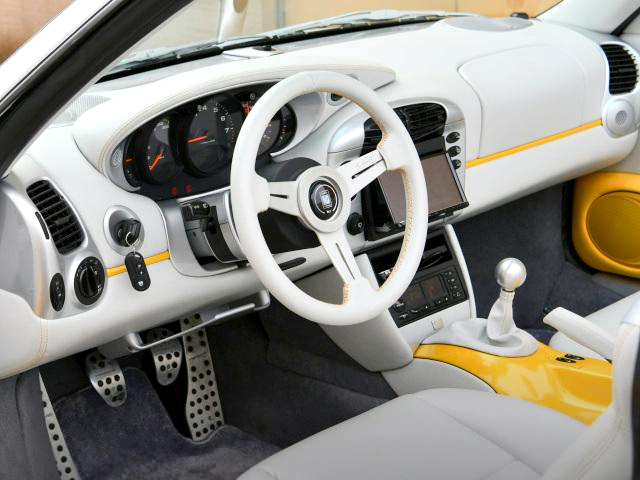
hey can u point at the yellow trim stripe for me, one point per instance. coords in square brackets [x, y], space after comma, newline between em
[535, 143]
[112, 271]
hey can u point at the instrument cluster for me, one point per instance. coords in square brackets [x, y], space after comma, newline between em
[188, 150]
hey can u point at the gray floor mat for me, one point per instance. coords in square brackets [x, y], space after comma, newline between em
[138, 440]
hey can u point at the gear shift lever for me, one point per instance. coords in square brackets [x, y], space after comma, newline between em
[510, 274]
[498, 334]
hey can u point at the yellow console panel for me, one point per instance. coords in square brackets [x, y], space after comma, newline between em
[579, 388]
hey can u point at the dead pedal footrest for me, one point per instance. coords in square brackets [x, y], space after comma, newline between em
[66, 466]
[167, 357]
[107, 379]
[203, 408]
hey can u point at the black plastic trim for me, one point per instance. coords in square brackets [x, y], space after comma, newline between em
[619, 30]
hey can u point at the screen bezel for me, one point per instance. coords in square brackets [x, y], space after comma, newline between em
[443, 212]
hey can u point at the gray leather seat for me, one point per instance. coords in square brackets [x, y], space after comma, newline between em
[459, 434]
[608, 318]
[436, 434]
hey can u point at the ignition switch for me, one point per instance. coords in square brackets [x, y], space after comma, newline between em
[127, 232]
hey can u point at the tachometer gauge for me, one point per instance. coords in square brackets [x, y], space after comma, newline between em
[211, 134]
[156, 160]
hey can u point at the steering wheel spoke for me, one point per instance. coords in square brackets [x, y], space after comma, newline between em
[283, 197]
[362, 171]
[339, 252]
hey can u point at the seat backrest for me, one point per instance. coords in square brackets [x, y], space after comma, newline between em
[610, 447]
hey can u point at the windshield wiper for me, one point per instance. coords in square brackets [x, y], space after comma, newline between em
[348, 23]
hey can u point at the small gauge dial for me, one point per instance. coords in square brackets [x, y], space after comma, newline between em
[129, 167]
[287, 127]
[155, 158]
[211, 134]
[270, 136]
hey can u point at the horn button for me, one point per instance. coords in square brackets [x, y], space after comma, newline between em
[324, 199]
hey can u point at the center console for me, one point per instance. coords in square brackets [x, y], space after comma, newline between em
[437, 285]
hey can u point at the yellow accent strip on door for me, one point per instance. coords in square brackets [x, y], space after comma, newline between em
[112, 271]
[581, 389]
[535, 143]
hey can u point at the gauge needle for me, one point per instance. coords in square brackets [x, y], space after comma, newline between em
[197, 139]
[159, 157]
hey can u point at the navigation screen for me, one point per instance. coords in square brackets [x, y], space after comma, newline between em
[444, 190]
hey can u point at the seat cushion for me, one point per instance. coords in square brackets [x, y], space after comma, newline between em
[440, 434]
[608, 318]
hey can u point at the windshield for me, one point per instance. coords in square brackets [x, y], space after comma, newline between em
[216, 21]
[208, 22]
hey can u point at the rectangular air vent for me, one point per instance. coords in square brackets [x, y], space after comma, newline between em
[623, 71]
[60, 219]
[423, 121]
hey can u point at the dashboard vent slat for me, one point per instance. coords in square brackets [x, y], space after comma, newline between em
[623, 69]
[424, 121]
[58, 216]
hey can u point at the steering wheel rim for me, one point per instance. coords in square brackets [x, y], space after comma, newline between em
[321, 197]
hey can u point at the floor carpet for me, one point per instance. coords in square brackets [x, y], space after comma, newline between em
[138, 440]
[534, 230]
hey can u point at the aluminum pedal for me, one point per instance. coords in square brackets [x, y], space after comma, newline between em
[203, 408]
[66, 466]
[167, 357]
[106, 377]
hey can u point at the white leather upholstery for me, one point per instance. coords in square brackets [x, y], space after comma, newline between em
[440, 434]
[608, 318]
[465, 435]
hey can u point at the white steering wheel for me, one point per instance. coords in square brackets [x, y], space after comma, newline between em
[321, 198]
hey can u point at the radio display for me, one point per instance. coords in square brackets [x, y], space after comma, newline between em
[443, 189]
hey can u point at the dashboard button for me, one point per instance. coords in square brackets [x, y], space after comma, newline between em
[399, 306]
[453, 151]
[453, 137]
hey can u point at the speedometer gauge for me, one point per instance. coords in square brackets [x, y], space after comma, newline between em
[211, 134]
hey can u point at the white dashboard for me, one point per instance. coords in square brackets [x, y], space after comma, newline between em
[529, 102]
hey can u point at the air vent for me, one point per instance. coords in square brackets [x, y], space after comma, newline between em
[423, 121]
[623, 71]
[60, 219]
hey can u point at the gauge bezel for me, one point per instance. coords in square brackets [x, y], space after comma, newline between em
[141, 142]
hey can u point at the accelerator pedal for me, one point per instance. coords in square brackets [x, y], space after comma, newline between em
[203, 408]
[66, 466]
[167, 357]
[106, 377]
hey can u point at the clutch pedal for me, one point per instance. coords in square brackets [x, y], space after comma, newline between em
[106, 377]
[203, 408]
[167, 357]
[66, 466]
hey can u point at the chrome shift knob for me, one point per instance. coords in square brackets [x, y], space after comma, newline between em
[510, 274]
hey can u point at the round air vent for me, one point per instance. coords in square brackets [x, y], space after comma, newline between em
[613, 223]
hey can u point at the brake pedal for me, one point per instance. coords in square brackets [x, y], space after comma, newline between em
[167, 357]
[203, 408]
[107, 378]
[66, 466]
